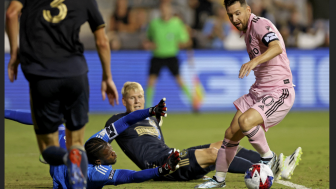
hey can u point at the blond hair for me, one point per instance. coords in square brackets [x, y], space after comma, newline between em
[131, 86]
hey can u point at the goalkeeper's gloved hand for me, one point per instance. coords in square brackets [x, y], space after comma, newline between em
[159, 110]
[171, 163]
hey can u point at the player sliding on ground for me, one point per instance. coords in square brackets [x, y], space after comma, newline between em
[144, 144]
[269, 99]
[101, 155]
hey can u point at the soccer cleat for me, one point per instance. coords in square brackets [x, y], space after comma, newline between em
[76, 178]
[206, 178]
[290, 163]
[276, 164]
[211, 183]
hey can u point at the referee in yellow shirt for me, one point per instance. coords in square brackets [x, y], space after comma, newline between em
[167, 35]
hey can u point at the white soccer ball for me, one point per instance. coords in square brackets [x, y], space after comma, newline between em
[259, 176]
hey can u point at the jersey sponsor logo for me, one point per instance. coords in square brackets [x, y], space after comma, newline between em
[143, 130]
[111, 174]
[111, 131]
[286, 81]
[62, 12]
[101, 169]
[261, 107]
[268, 101]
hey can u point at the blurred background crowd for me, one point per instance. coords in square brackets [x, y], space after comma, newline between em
[303, 24]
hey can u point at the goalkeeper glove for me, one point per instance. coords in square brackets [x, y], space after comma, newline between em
[171, 163]
[159, 110]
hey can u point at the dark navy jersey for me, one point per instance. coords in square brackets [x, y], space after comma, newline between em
[142, 142]
[49, 36]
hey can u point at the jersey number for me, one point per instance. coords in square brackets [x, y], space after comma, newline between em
[255, 19]
[61, 15]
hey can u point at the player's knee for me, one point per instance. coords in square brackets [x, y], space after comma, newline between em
[244, 123]
[212, 151]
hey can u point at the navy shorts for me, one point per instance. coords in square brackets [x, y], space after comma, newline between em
[58, 100]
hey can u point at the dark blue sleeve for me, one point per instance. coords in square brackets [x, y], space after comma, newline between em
[114, 129]
[21, 116]
[95, 18]
[123, 176]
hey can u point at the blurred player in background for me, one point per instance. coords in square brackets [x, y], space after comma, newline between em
[52, 61]
[101, 155]
[269, 99]
[166, 35]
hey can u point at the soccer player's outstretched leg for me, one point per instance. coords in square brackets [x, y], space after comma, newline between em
[269, 99]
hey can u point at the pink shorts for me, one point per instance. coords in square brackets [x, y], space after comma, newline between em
[273, 106]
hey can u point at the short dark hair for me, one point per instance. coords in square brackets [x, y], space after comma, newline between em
[228, 3]
[93, 147]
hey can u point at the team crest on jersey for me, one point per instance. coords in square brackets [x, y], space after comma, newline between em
[183, 153]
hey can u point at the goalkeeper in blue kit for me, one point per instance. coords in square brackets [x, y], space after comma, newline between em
[101, 156]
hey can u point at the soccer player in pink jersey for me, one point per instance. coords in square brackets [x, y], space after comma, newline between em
[269, 99]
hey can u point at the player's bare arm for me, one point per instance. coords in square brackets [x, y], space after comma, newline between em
[12, 28]
[273, 50]
[103, 49]
[149, 45]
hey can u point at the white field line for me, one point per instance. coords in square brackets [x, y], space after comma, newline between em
[290, 184]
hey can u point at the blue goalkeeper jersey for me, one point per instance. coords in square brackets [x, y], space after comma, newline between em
[100, 175]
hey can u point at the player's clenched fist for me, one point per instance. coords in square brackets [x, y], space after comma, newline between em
[171, 163]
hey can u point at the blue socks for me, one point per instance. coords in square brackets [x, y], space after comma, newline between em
[250, 155]
[239, 165]
[54, 155]
[21, 116]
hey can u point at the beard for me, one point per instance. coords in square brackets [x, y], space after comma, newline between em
[115, 161]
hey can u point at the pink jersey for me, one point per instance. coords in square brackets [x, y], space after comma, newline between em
[276, 72]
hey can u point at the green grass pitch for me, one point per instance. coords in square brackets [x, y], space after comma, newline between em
[310, 130]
